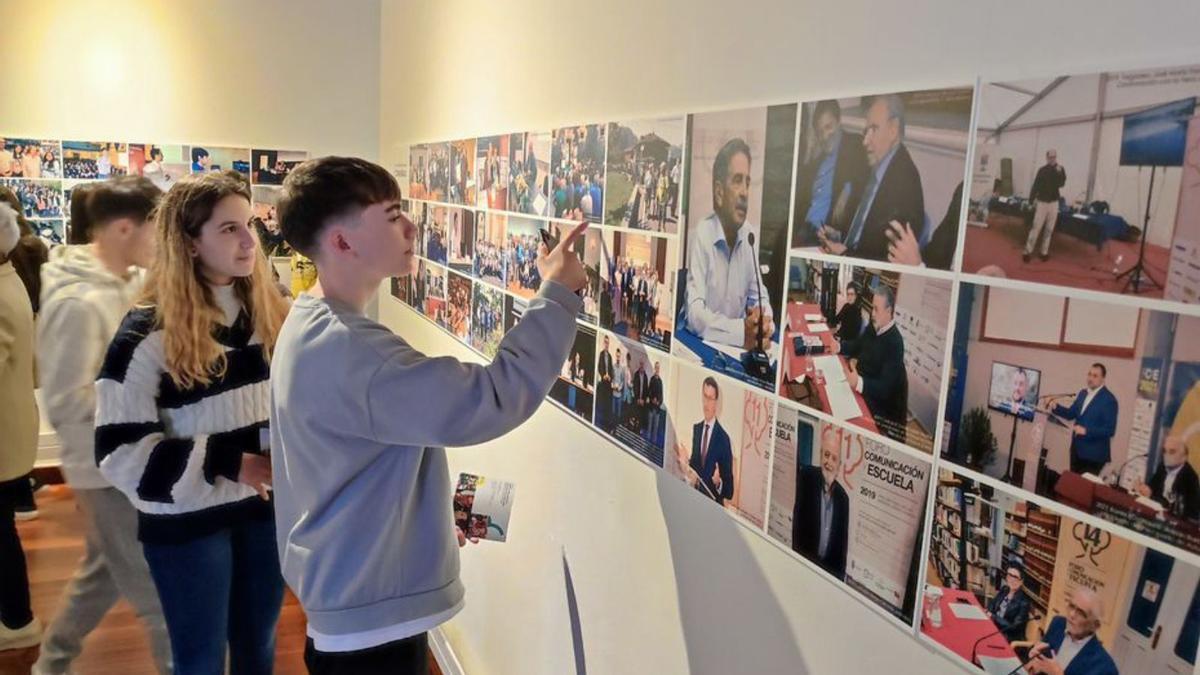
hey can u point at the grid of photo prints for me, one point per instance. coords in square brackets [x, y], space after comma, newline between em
[940, 346]
[37, 178]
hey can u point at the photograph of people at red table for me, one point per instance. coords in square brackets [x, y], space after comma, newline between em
[1012, 586]
[867, 347]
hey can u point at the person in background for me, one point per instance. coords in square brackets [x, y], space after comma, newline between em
[1174, 483]
[1010, 608]
[1045, 194]
[87, 291]
[19, 422]
[848, 323]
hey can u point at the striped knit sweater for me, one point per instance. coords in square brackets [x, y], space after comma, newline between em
[176, 452]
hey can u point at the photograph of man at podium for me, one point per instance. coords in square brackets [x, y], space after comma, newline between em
[719, 439]
[735, 241]
[1093, 414]
[1120, 444]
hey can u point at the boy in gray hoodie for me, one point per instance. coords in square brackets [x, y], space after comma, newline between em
[86, 291]
[359, 420]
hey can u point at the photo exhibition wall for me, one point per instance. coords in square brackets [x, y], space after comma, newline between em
[42, 173]
[942, 346]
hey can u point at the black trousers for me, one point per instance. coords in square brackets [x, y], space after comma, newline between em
[1079, 465]
[409, 656]
[15, 611]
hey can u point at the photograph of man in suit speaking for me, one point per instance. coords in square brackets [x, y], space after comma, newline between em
[710, 467]
[1094, 414]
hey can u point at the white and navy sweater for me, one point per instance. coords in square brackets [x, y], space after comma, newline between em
[174, 452]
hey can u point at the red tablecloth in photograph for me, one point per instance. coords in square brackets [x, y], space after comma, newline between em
[795, 365]
[960, 635]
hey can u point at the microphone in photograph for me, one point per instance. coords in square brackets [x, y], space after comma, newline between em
[975, 647]
[755, 360]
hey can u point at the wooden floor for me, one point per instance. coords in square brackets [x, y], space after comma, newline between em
[53, 547]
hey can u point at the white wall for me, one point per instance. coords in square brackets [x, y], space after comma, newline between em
[665, 582]
[292, 74]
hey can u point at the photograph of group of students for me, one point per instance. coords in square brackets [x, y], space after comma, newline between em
[1093, 404]
[589, 248]
[735, 241]
[645, 174]
[462, 172]
[487, 319]
[1090, 181]
[851, 506]
[95, 160]
[577, 172]
[631, 395]
[867, 347]
[491, 172]
[880, 177]
[636, 286]
[1012, 586]
[461, 237]
[39, 198]
[30, 158]
[522, 238]
[719, 439]
[270, 167]
[490, 233]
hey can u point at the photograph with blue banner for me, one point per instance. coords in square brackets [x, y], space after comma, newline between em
[1014, 587]
[1095, 405]
[730, 290]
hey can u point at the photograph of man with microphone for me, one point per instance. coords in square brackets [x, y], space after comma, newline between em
[1095, 405]
[866, 346]
[1014, 587]
[735, 241]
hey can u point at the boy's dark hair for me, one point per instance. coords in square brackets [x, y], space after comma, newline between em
[130, 197]
[80, 231]
[324, 188]
[198, 153]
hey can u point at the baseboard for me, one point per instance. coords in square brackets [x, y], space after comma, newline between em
[444, 653]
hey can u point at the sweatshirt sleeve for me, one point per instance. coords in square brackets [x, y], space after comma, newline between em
[417, 400]
[69, 347]
[132, 448]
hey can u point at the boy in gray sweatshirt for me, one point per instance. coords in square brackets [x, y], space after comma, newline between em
[359, 419]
